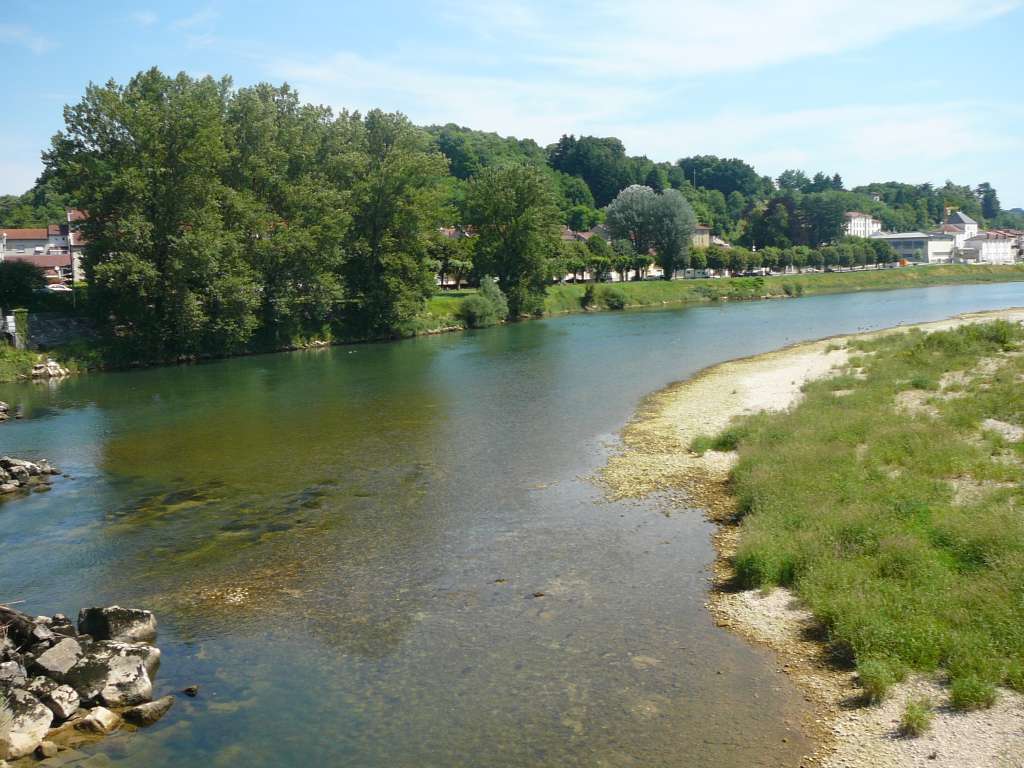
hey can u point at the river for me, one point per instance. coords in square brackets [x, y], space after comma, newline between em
[343, 546]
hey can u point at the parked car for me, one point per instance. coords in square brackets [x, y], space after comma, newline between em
[58, 288]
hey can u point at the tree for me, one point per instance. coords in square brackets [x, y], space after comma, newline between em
[671, 228]
[18, 280]
[989, 201]
[146, 160]
[396, 206]
[631, 215]
[624, 258]
[794, 180]
[725, 175]
[601, 257]
[513, 210]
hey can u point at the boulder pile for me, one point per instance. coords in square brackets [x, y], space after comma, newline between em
[21, 475]
[51, 369]
[5, 411]
[62, 684]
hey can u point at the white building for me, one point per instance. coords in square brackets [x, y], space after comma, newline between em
[961, 221]
[859, 224]
[920, 247]
[989, 248]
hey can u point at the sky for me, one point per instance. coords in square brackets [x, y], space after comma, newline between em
[876, 90]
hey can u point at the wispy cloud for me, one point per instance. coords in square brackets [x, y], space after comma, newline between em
[145, 18]
[201, 18]
[24, 37]
[652, 40]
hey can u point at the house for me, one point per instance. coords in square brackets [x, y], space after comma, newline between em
[989, 248]
[56, 249]
[961, 221]
[920, 247]
[859, 224]
[1016, 239]
[701, 237]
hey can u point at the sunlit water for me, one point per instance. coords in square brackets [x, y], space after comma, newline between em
[343, 545]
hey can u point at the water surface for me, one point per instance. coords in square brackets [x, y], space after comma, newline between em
[343, 545]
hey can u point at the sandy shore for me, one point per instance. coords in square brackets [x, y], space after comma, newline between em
[655, 457]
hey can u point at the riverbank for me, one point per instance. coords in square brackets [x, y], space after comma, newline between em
[837, 375]
[442, 311]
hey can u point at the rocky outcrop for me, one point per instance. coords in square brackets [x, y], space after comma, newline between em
[21, 475]
[59, 681]
[5, 411]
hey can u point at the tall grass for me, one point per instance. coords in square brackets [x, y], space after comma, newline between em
[852, 503]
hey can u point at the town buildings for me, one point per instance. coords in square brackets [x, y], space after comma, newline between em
[56, 249]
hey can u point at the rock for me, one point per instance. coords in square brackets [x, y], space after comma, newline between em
[116, 623]
[46, 749]
[19, 474]
[191, 691]
[62, 700]
[100, 720]
[8, 487]
[61, 625]
[4, 407]
[149, 713]
[13, 673]
[115, 674]
[31, 722]
[56, 661]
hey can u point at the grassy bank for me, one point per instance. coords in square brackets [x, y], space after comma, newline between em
[443, 308]
[15, 363]
[890, 500]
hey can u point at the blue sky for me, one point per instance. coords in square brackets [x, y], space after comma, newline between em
[916, 90]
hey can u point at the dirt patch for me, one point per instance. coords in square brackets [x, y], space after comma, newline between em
[915, 401]
[1009, 432]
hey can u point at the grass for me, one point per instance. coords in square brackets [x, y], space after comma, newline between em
[15, 363]
[917, 718]
[852, 502]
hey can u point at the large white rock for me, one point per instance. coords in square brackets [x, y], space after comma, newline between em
[32, 719]
[115, 674]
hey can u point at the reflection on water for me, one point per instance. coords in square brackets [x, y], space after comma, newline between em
[389, 555]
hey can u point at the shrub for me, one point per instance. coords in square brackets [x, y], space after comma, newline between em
[971, 692]
[876, 676]
[614, 298]
[484, 308]
[917, 717]
[589, 296]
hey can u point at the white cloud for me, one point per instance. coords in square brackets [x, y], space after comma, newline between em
[145, 18]
[23, 36]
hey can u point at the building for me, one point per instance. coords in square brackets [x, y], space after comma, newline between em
[859, 224]
[989, 248]
[962, 222]
[701, 237]
[920, 247]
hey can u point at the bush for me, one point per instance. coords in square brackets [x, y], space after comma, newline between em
[485, 308]
[876, 676]
[917, 717]
[614, 298]
[18, 282]
[971, 692]
[589, 296]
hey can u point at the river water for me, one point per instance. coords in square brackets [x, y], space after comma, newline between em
[343, 546]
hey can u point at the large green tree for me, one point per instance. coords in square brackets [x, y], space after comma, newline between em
[513, 210]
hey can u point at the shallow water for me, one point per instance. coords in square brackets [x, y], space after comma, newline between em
[343, 545]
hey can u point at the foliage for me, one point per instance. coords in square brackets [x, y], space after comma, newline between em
[485, 308]
[18, 281]
[613, 298]
[513, 210]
